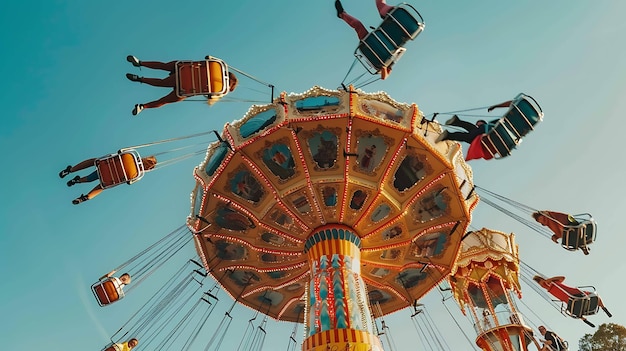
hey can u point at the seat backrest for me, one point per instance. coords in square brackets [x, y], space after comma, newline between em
[107, 291]
[522, 116]
[377, 49]
[576, 306]
[216, 74]
[400, 26]
[118, 168]
[194, 78]
[500, 139]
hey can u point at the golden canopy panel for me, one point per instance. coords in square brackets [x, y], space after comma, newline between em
[324, 157]
[487, 256]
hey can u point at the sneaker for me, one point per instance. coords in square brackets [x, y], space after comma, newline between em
[138, 108]
[80, 199]
[442, 136]
[65, 172]
[452, 120]
[133, 77]
[135, 61]
[73, 181]
[339, 8]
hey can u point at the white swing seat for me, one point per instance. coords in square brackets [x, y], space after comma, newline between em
[123, 167]
[208, 78]
[108, 291]
[384, 46]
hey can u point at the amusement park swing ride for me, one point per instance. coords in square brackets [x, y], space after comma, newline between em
[333, 209]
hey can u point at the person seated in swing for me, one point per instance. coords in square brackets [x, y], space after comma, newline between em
[167, 82]
[122, 281]
[556, 221]
[565, 293]
[551, 341]
[148, 164]
[361, 31]
[109, 288]
[473, 131]
[124, 346]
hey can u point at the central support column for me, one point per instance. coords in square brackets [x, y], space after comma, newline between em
[338, 315]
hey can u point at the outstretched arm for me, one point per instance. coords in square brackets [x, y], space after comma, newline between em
[504, 104]
[108, 275]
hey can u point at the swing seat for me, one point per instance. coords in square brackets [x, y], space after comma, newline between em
[108, 291]
[384, 46]
[580, 306]
[499, 140]
[523, 114]
[115, 169]
[579, 236]
[209, 78]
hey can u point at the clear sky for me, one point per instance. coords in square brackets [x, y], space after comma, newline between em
[65, 99]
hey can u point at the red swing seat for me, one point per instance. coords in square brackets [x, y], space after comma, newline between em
[115, 169]
[208, 77]
[108, 291]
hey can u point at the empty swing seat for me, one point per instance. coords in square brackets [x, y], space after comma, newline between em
[209, 78]
[108, 291]
[383, 46]
[115, 169]
[523, 114]
[579, 236]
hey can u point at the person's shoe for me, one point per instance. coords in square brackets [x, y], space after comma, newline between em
[65, 172]
[442, 136]
[133, 77]
[80, 199]
[135, 61]
[452, 120]
[339, 8]
[607, 312]
[138, 108]
[73, 181]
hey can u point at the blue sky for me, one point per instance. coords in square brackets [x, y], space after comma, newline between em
[66, 99]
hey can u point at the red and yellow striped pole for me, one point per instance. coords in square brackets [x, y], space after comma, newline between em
[338, 315]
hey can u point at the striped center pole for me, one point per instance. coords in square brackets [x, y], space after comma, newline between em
[338, 315]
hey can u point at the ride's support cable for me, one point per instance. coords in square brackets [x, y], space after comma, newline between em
[160, 260]
[246, 337]
[174, 332]
[168, 315]
[466, 110]
[132, 259]
[169, 140]
[218, 336]
[269, 85]
[418, 328]
[443, 302]
[291, 345]
[180, 158]
[162, 308]
[348, 73]
[259, 336]
[194, 334]
[148, 305]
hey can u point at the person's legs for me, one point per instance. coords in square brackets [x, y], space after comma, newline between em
[165, 66]
[167, 99]
[361, 32]
[168, 82]
[460, 136]
[94, 192]
[84, 164]
[90, 178]
[383, 8]
[457, 122]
